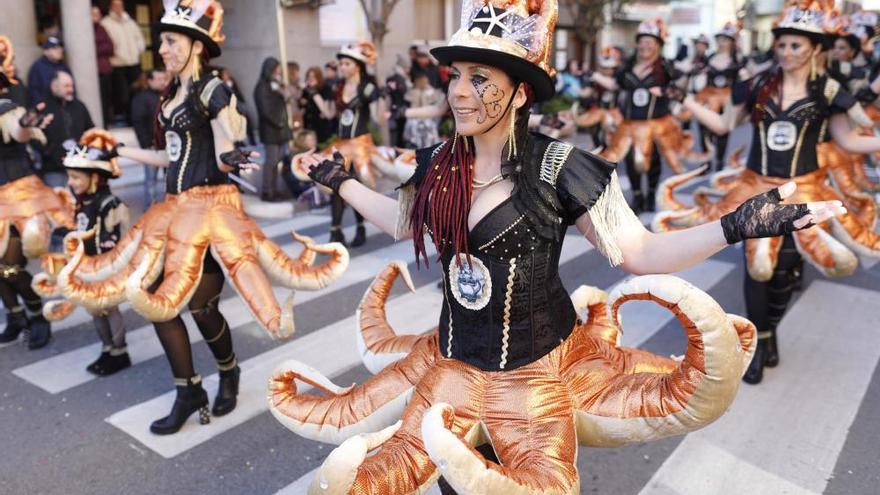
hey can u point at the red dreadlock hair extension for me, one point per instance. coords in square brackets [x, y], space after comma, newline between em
[770, 87]
[443, 200]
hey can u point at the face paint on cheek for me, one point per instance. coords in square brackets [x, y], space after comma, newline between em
[491, 96]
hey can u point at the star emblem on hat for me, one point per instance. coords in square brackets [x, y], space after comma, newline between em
[494, 19]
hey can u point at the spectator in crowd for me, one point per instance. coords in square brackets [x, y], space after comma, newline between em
[313, 119]
[128, 45]
[569, 82]
[425, 65]
[49, 27]
[71, 120]
[275, 131]
[292, 94]
[144, 110]
[422, 132]
[103, 53]
[44, 70]
[331, 80]
[395, 90]
[241, 103]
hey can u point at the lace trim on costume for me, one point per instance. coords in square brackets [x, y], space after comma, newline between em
[508, 298]
[184, 163]
[831, 89]
[555, 157]
[449, 309]
[607, 215]
[406, 199]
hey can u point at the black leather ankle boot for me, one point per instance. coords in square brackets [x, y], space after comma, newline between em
[41, 332]
[755, 373]
[336, 235]
[227, 392]
[16, 323]
[191, 397]
[360, 236]
[772, 359]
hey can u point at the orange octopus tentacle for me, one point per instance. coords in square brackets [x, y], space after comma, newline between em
[670, 146]
[344, 412]
[378, 343]
[619, 143]
[598, 322]
[243, 270]
[825, 252]
[537, 446]
[591, 117]
[855, 235]
[404, 452]
[294, 274]
[666, 200]
[182, 273]
[656, 405]
[762, 255]
[98, 295]
[35, 236]
[58, 310]
[99, 267]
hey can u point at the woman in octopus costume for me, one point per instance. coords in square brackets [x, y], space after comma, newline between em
[180, 251]
[649, 130]
[354, 93]
[510, 364]
[720, 72]
[792, 107]
[603, 113]
[29, 211]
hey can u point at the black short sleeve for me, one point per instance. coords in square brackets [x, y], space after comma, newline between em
[842, 101]
[215, 96]
[741, 92]
[424, 157]
[582, 180]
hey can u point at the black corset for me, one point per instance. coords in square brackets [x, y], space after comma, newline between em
[189, 139]
[507, 307]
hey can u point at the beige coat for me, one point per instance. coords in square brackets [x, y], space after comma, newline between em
[128, 42]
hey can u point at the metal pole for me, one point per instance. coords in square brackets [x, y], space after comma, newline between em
[282, 41]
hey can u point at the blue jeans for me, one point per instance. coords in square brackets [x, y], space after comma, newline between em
[153, 190]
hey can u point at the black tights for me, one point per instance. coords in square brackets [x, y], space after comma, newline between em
[337, 208]
[720, 143]
[635, 177]
[205, 311]
[766, 302]
[15, 281]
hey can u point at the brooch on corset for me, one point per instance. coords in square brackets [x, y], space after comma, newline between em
[471, 283]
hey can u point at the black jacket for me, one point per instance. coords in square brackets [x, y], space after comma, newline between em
[71, 120]
[271, 107]
[144, 109]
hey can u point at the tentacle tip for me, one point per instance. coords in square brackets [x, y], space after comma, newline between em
[403, 269]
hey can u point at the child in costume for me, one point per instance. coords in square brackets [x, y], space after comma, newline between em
[106, 216]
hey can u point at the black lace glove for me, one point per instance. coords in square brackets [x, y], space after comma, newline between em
[235, 158]
[675, 93]
[110, 154]
[763, 216]
[866, 95]
[331, 173]
[33, 117]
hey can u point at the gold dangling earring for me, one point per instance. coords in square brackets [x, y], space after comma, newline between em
[197, 68]
[511, 137]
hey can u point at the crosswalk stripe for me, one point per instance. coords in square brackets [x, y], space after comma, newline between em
[793, 426]
[67, 370]
[648, 318]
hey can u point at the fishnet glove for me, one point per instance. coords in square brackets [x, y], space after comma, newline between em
[763, 216]
[331, 173]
